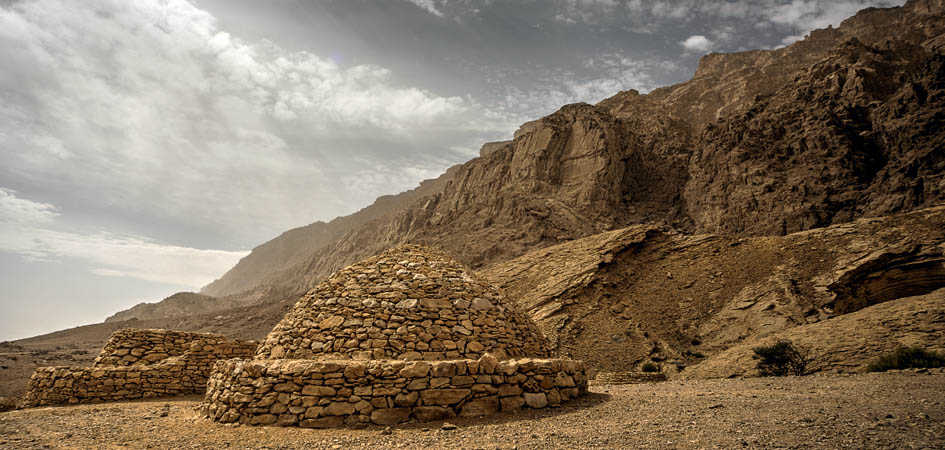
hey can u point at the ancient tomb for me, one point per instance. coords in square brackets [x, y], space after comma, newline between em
[138, 363]
[409, 334]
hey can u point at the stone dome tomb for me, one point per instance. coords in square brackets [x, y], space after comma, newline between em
[409, 334]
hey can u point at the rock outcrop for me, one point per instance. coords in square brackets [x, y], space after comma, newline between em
[846, 343]
[179, 304]
[620, 299]
[843, 124]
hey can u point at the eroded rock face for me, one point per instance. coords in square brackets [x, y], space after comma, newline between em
[641, 294]
[854, 135]
[838, 126]
[411, 302]
[847, 343]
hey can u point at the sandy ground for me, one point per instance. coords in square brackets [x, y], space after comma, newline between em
[892, 410]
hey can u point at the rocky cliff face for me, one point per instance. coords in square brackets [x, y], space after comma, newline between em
[841, 125]
[855, 135]
[642, 294]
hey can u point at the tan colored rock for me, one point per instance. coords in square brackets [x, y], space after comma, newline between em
[431, 413]
[324, 422]
[444, 397]
[535, 400]
[318, 391]
[331, 322]
[480, 407]
[512, 403]
[339, 409]
[416, 370]
[487, 363]
[390, 416]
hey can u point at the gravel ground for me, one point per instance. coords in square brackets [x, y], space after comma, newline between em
[892, 410]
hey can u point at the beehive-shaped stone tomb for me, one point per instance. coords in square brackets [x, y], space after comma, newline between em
[409, 334]
[138, 363]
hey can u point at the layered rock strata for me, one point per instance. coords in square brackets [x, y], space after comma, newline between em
[407, 335]
[138, 364]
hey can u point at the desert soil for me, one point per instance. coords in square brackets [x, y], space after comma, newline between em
[891, 410]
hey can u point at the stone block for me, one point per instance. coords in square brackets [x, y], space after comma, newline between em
[444, 369]
[480, 407]
[507, 390]
[263, 419]
[462, 381]
[416, 370]
[406, 399]
[286, 420]
[512, 403]
[535, 400]
[318, 391]
[390, 416]
[444, 397]
[487, 363]
[323, 422]
[339, 409]
[430, 413]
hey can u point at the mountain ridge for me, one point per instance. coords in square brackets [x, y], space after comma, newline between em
[633, 159]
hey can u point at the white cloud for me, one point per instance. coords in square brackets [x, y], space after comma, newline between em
[806, 15]
[15, 210]
[697, 43]
[26, 229]
[153, 109]
[427, 5]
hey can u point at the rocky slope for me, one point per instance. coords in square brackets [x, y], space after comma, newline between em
[179, 304]
[847, 343]
[775, 189]
[642, 294]
[843, 124]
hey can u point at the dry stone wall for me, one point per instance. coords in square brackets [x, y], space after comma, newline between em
[135, 346]
[408, 335]
[411, 302]
[186, 373]
[325, 394]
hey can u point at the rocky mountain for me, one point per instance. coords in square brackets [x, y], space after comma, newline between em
[840, 125]
[179, 304]
[693, 304]
[777, 190]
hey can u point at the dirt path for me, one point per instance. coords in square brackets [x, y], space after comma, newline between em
[893, 410]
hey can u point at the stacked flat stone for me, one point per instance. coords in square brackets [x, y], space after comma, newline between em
[324, 394]
[134, 346]
[114, 376]
[411, 302]
[408, 335]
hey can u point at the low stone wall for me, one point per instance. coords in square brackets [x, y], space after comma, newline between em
[628, 377]
[176, 375]
[324, 394]
[135, 346]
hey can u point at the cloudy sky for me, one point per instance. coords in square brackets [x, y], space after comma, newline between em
[147, 145]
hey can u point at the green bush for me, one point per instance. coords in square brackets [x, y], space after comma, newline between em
[907, 358]
[780, 359]
[650, 367]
